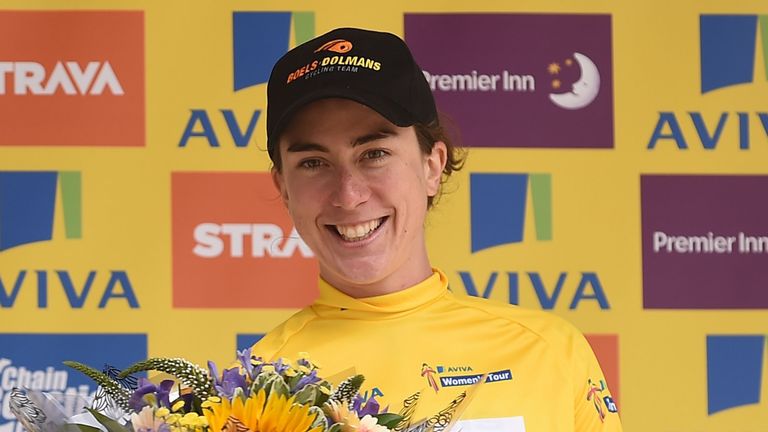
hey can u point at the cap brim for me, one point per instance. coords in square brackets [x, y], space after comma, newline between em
[387, 108]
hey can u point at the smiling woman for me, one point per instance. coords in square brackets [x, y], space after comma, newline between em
[359, 157]
[356, 187]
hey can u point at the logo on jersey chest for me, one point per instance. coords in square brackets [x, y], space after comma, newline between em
[460, 375]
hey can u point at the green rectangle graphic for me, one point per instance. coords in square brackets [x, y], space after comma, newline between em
[763, 23]
[303, 26]
[541, 194]
[71, 198]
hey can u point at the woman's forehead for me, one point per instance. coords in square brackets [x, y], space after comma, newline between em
[336, 118]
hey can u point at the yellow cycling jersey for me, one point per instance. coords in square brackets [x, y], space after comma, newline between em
[540, 373]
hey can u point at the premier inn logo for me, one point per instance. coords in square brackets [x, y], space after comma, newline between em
[334, 63]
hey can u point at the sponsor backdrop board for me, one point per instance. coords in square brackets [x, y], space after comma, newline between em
[617, 177]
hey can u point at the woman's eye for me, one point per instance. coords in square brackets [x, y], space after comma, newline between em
[311, 163]
[375, 154]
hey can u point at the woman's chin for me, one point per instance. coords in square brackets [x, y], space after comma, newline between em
[359, 276]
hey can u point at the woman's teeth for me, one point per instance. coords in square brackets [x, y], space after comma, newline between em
[358, 231]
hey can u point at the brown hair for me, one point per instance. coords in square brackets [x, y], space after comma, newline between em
[428, 135]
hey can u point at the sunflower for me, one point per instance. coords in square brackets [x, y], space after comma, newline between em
[259, 413]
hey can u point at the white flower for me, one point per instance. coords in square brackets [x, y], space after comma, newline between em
[369, 424]
[145, 420]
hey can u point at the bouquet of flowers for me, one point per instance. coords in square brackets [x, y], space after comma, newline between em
[255, 396]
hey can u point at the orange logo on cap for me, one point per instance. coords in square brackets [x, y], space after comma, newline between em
[340, 46]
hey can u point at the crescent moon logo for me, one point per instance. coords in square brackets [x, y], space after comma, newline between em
[584, 90]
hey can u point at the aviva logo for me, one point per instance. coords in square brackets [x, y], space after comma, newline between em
[735, 366]
[261, 38]
[729, 47]
[498, 207]
[27, 202]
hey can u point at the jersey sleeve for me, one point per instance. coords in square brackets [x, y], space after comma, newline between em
[595, 410]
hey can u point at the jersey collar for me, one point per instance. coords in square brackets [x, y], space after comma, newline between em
[333, 301]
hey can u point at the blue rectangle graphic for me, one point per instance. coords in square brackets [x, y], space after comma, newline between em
[247, 340]
[734, 370]
[34, 361]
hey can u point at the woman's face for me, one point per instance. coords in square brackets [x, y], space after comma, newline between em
[356, 187]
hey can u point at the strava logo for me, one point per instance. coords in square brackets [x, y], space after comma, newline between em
[234, 245]
[87, 89]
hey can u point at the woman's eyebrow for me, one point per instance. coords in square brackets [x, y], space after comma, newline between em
[306, 146]
[380, 134]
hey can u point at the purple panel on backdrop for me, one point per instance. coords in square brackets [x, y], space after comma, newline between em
[494, 75]
[719, 256]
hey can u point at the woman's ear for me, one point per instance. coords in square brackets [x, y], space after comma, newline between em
[277, 179]
[434, 164]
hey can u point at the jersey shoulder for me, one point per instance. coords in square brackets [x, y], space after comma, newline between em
[553, 329]
[275, 339]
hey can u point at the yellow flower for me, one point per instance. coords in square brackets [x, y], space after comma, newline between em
[189, 419]
[260, 414]
[336, 411]
[178, 405]
[340, 413]
[172, 419]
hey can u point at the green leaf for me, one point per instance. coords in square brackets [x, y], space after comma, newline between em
[189, 373]
[117, 392]
[388, 420]
[111, 425]
[307, 395]
[278, 386]
[261, 382]
[319, 418]
[348, 388]
[323, 397]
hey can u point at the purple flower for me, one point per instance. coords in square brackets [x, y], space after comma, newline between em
[279, 366]
[365, 407]
[213, 371]
[161, 392]
[244, 357]
[230, 380]
[310, 378]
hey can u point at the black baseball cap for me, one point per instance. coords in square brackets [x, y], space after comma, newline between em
[373, 68]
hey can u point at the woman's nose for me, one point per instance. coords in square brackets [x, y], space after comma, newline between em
[351, 189]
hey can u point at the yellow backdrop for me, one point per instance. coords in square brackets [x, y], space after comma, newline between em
[139, 210]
